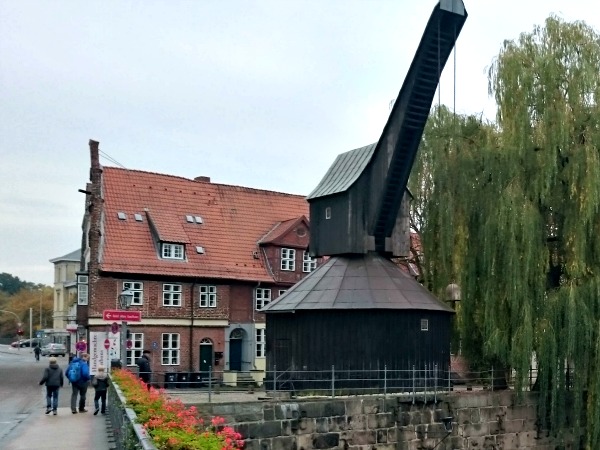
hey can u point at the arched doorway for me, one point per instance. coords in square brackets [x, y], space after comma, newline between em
[236, 339]
[206, 355]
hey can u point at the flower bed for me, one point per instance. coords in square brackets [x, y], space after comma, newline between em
[171, 424]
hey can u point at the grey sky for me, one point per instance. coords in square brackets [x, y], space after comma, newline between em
[262, 94]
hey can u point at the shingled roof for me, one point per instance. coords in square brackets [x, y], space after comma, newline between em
[156, 206]
[357, 282]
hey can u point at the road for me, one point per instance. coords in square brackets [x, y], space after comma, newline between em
[20, 391]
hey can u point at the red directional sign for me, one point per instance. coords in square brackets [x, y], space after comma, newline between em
[116, 314]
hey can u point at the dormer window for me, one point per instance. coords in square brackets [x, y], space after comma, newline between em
[171, 251]
[288, 259]
[308, 263]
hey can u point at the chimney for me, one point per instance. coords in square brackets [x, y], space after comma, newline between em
[202, 178]
[94, 156]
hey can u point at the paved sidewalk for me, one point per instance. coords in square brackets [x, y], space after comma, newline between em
[63, 431]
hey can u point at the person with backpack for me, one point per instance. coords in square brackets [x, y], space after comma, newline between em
[100, 383]
[78, 374]
[53, 379]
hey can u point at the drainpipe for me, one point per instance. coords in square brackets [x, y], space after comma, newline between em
[254, 329]
[191, 352]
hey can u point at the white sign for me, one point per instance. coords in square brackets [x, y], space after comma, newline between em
[100, 356]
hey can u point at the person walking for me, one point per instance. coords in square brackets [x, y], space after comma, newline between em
[53, 379]
[78, 374]
[144, 370]
[36, 351]
[100, 383]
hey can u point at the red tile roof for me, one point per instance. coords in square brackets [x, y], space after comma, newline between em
[279, 231]
[234, 220]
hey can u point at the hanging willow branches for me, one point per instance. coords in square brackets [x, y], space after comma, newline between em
[511, 212]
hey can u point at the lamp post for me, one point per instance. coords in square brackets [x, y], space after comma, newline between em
[125, 299]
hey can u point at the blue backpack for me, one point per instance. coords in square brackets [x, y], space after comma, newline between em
[74, 371]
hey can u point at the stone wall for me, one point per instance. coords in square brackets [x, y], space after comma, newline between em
[480, 420]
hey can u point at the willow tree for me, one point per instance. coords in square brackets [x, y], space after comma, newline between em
[511, 211]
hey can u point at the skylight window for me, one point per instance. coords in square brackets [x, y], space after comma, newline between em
[190, 219]
[200, 250]
[198, 219]
[122, 215]
[138, 217]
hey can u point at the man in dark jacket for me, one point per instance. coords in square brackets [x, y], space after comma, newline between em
[144, 371]
[80, 386]
[53, 379]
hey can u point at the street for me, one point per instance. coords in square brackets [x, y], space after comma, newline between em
[21, 394]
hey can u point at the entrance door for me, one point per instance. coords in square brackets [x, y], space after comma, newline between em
[235, 350]
[206, 356]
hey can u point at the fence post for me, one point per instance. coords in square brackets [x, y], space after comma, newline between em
[332, 381]
[210, 383]
[275, 380]
[425, 383]
[435, 375]
[384, 380]
[413, 383]
[492, 384]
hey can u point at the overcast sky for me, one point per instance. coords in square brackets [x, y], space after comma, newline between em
[262, 94]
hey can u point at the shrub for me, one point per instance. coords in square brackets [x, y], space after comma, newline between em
[171, 424]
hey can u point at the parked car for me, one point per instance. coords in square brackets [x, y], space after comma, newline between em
[54, 349]
[26, 343]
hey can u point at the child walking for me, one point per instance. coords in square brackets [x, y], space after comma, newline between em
[100, 383]
[53, 379]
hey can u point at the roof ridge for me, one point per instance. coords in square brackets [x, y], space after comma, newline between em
[194, 181]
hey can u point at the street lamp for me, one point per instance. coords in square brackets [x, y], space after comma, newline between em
[125, 299]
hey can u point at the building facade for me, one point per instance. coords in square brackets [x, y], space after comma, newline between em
[202, 259]
[65, 289]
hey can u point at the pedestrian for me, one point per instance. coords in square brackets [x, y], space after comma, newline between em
[100, 383]
[144, 370]
[78, 374]
[53, 379]
[37, 350]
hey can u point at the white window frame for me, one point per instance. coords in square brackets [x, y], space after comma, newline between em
[137, 347]
[170, 250]
[170, 343]
[424, 324]
[261, 342]
[208, 296]
[137, 287]
[82, 289]
[281, 292]
[308, 262]
[262, 297]
[288, 259]
[172, 294]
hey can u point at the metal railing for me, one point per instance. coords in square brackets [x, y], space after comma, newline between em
[427, 381]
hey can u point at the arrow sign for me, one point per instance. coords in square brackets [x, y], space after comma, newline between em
[116, 314]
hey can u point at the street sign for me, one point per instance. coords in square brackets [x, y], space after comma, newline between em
[114, 328]
[117, 314]
[80, 346]
[129, 343]
[106, 344]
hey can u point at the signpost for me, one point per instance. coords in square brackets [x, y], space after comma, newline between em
[116, 314]
[106, 344]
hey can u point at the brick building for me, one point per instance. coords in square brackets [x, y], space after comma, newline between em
[201, 258]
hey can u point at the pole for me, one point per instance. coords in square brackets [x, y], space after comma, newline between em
[41, 292]
[124, 344]
[31, 329]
